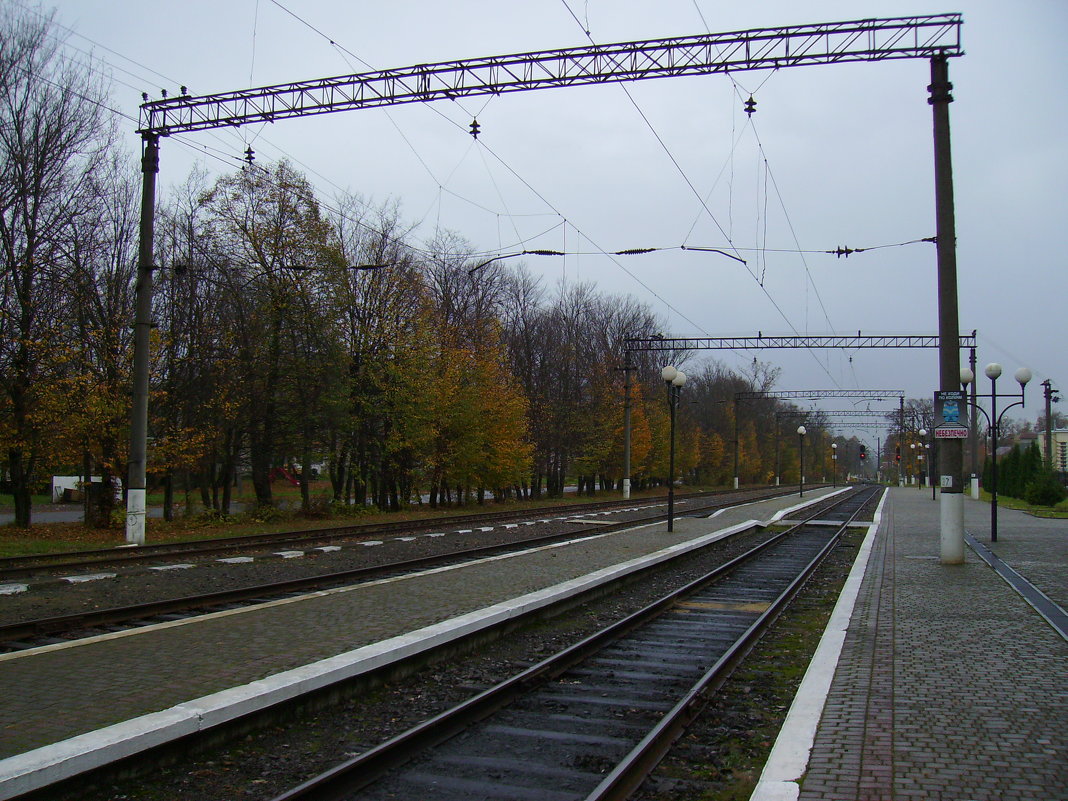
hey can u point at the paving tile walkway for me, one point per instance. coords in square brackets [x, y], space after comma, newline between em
[950, 686]
[91, 684]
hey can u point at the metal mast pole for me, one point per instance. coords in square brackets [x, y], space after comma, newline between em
[901, 441]
[974, 432]
[1047, 387]
[673, 403]
[994, 459]
[135, 485]
[951, 457]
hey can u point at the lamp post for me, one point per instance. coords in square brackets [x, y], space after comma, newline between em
[674, 379]
[931, 446]
[993, 372]
[834, 465]
[918, 447]
[801, 431]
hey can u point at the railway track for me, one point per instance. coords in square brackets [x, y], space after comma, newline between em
[26, 634]
[19, 566]
[594, 720]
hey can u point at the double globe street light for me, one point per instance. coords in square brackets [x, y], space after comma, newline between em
[674, 379]
[917, 457]
[801, 431]
[993, 372]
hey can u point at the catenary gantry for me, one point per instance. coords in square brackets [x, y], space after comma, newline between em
[762, 48]
[935, 37]
[761, 342]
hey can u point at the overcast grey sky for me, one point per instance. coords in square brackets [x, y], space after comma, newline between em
[835, 155]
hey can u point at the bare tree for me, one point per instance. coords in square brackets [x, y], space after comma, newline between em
[101, 251]
[54, 134]
[266, 224]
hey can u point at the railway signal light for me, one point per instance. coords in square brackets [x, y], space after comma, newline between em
[863, 451]
[897, 454]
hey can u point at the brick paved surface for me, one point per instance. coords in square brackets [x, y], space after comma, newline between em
[949, 686]
[1036, 547]
[52, 696]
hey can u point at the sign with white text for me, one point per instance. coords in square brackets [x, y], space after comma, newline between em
[950, 415]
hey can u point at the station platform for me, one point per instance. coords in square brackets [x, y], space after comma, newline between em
[935, 682]
[70, 707]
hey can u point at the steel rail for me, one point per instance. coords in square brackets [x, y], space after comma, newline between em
[363, 770]
[628, 775]
[90, 619]
[13, 566]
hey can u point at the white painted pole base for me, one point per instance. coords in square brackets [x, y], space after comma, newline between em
[975, 487]
[776, 481]
[626, 489]
[135, 516]
[952, 514]
[736, 482]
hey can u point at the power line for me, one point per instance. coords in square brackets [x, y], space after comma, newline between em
[708, 211]
[501, 161]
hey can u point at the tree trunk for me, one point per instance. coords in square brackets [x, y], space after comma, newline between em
[87, 477]
[206, 481]
[305, 471]
[260, 462]
[168, 496]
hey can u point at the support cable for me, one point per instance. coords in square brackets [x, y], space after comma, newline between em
[707, 210]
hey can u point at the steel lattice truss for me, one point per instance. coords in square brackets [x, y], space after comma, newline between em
[762, 48]
[761, 342]
[842, 413]
[815, 394]
[868, 426]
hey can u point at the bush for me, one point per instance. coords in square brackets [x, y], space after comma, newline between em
[209, 517]
[320, 507]
[1045, 490]
[265, 513]
[347, 510]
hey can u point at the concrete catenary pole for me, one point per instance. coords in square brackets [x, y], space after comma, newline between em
[951, 456]
[627, 368]
[135, 485]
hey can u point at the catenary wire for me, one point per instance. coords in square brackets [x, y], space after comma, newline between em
[506, 166]
[704, 205]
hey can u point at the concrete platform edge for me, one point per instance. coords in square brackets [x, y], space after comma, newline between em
[788, 760]
[52, 763]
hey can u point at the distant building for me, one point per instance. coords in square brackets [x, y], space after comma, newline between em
[1060, 448]
[1025, 439]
